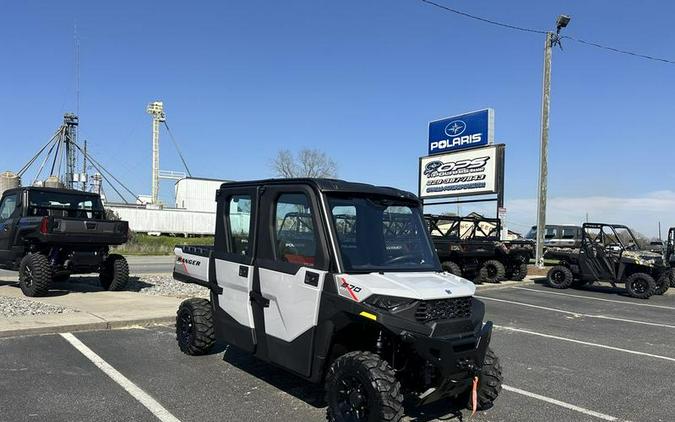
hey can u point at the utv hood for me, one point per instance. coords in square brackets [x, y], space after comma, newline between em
[413, 285]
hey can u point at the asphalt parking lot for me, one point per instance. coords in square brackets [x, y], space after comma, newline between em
[572, 355]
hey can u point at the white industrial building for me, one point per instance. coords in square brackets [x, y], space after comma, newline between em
[194, 214]
[197, 194]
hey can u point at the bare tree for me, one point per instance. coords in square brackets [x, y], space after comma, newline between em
[306, 163]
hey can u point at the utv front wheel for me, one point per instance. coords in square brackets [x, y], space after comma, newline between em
[194, 327]
[362, 387]
[35, 275]
[663, 283]
[492, 271]
[560, 277]
[452, 268]
[640, 285]
[114, 273]
[519, 272]
[489, 383]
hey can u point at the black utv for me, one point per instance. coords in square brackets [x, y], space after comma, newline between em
[47, 234]
[472, 247]
[609, 252]
[338, 283]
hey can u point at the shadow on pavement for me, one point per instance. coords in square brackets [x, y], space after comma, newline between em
[86, 284]
[313, 394]
[594, 287]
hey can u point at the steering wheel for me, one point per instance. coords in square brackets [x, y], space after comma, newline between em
[406, 257]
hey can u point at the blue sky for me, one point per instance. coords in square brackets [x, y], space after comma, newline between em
[359, 80]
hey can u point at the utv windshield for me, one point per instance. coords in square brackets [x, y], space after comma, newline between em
[64, 204]
[381, 234]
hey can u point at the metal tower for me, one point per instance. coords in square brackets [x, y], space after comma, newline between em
[156, 110]
[70, 123]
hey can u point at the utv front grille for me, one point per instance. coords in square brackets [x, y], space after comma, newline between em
[443, 309]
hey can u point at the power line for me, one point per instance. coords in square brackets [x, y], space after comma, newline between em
[536, 31]
[478, 18]
[616, 50]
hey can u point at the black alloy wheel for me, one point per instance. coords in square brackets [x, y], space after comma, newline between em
[353, 399]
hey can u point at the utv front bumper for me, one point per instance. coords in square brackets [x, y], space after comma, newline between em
[456, 361]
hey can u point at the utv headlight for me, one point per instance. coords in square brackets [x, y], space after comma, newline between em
[389, 303]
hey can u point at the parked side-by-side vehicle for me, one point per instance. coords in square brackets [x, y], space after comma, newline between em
[472, 247]
[339, 283]
[47, 234]
[610, 252]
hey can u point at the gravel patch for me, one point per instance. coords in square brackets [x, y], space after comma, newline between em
[165, 285]
[14, 307]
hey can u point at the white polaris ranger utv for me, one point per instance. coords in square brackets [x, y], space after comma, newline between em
[338, 283]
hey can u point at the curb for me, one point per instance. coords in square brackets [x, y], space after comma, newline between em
[93, 326]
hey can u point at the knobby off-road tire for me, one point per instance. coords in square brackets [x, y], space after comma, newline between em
[672, 277]
[560, 277]
[360, 386]
[640, 285]
[489, 383]
[35, 275]
[492, 271]
[194, 327]
[114, 273]
[663, 283]
[452, 268]
[519, 272]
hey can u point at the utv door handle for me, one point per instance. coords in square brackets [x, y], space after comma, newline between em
[312, 279]
[243, 271]
[259, 300]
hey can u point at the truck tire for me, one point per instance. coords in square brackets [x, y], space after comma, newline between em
[492, 271]
[640, 285]
[194, 327]
[663, 283]
[519, 272]
[489, 383]
[452, 268]
[672, 277]
[114, 273]
[560, 277]
[35, 275]
[361, 386]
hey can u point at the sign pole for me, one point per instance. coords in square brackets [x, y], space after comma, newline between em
[543, 157]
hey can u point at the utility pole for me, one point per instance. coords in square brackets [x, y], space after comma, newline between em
[551, 40]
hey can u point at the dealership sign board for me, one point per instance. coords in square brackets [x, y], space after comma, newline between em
[467, 130]
[477, 171]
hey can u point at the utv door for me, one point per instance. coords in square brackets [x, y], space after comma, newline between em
[232, 266]
[10, 210]
[291, 268]
[593, 259]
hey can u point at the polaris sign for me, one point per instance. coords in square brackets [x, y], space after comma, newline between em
[460, 132]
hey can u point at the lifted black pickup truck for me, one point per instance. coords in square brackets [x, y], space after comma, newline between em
[48, 234]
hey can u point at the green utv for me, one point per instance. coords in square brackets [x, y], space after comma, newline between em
[47, 234]
[338, 283]
[472, 247]
[610, 252]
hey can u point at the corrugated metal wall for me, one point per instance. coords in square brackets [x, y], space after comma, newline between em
[143, 220]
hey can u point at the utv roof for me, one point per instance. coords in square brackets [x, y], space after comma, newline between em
[328, 186]
[45, 189]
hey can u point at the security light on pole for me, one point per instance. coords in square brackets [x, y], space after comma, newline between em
[551, 40]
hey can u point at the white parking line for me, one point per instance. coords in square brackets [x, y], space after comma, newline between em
[577, 314]
[594, 298]
[585, 343]
[560, 403]
[146, 400]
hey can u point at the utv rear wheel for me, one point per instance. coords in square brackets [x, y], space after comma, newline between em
[194, 327]
[114, 273]
[640, 285]
[663, 283]
[519, 272]
[560, 277]
[452, 268]
[35, 275]
[672, 277]
[492, 271]
[362, 387]
[489, 383]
